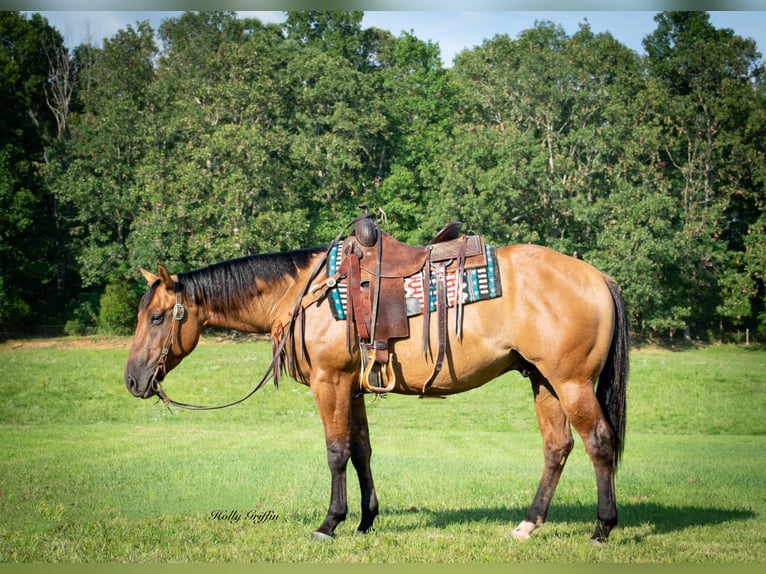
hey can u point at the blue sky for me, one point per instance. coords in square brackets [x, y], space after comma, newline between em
[453, 31]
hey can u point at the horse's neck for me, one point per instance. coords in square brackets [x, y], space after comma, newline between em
[272, 303]
[240, 321]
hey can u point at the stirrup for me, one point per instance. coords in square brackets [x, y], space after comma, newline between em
[367, 371]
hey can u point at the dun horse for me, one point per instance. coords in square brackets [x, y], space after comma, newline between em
[558, 320]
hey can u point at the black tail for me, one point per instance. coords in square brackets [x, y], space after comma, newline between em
[613, 380]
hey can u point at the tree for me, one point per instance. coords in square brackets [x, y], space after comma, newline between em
[335, 33]
[337, 124]
[117, 308]
[707, 103]
[215, 181]
[496, 175]
[419, 109]
[28, 286]
[93, 171]
[542, 127]
[58, 90]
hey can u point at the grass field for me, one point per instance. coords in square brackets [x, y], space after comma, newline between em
[90, 474]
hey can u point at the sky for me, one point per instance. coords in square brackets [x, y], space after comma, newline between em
[453, 31]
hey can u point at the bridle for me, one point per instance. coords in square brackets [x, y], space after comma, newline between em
[161, 369]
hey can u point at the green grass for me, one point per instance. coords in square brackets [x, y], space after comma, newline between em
[90, 474]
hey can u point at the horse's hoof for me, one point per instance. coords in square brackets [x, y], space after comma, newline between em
[321, 537]
[522, 531]
[519, 536]
[601, 535]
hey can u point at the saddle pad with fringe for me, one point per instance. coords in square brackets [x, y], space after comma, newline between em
[478, 284]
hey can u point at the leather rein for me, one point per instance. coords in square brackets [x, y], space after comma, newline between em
[308, 296]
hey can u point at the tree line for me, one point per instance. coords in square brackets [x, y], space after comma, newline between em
[215, 137]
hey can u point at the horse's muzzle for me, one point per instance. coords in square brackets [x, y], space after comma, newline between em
[137, 388]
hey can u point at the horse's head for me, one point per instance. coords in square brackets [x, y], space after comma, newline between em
[168, 329]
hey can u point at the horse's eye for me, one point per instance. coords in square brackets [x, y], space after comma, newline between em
[156, 318]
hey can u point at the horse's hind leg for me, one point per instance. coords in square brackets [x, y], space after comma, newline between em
[557, 444]
[361, 453]
[582, 408]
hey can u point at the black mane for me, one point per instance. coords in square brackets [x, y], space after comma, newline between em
[231, 284]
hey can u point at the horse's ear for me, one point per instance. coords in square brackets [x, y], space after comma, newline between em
[149, 276]
[164, 276]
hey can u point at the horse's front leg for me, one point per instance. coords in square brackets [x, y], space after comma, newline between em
[361, 453]
[333, 400]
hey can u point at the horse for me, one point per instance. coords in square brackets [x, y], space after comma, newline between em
[559, 321]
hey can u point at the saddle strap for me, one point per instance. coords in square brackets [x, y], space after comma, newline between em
[441, 315]
[355, 309]
[427, 303]
[286, 324]
[459, 288]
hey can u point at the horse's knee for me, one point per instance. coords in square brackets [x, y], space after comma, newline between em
[337, 456]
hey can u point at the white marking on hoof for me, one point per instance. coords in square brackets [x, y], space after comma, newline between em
[523, 530]
[321, 537]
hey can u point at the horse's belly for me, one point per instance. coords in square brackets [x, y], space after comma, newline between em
[469, 362]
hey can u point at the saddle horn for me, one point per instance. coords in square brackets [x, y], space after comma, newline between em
[365, 230]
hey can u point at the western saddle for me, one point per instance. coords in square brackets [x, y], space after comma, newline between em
[375, 266]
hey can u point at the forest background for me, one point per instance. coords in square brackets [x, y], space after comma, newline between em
[215, 137]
